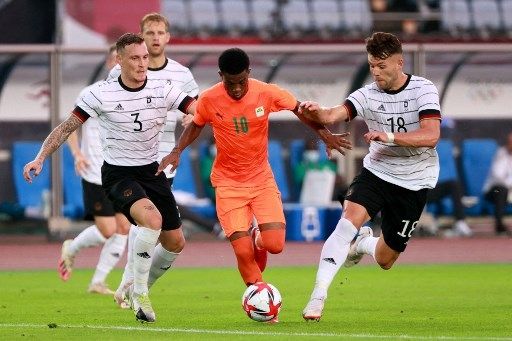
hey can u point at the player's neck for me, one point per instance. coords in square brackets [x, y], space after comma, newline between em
[402, 79]
[156, 62]
[131, 82]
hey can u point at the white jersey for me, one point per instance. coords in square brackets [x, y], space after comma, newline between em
[130, 120]
[181, 77]
[399, 111]
[91, 146]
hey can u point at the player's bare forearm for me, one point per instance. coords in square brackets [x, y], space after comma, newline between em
[427, 136]
[188, 136]
[323, 115]
[58, 136]
[331, 141]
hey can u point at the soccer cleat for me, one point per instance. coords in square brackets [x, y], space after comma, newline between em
[66, 261]
[99, 288]
[141, 306]
[314, 309]
[121, 296]
[353, 256]
[260, 254]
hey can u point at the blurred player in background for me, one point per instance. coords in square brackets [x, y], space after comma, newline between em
[403, 116]
[132, 110]
[110, 227]
[238, 108]
[155, 30]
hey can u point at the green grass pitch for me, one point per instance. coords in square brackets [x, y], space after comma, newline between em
[449, 302]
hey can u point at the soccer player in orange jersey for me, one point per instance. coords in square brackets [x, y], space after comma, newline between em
[238, 109]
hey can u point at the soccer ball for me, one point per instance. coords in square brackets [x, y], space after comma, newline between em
[261, 301]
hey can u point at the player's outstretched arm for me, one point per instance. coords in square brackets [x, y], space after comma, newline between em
[188, 136]
[332, 141]
[56, 138]
[323, 115]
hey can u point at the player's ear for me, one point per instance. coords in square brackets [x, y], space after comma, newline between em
[249, 71]
[220, 74]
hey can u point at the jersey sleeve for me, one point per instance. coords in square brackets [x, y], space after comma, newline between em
[428, 101]
[89, 100]
[114, 73]
[201, 116]
[174, 98]
[190, 86]
[281, 99]
[356, 103]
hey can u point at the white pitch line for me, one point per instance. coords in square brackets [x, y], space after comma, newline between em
[258, 333]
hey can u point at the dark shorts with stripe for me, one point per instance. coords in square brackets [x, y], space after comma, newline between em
[96, 202]
[125, 185]
[400, 208]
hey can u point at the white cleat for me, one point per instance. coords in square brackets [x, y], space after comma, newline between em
[99, 288]
[66, 261]
[121, 296]
[314, 309]
[353, 256]
[141, 306]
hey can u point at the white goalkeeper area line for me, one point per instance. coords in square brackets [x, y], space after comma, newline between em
[249, 333]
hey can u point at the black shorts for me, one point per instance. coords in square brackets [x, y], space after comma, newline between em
[125, 185]
[401, 208]
[96, 202]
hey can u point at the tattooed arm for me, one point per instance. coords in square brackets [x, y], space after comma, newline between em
[56, 138]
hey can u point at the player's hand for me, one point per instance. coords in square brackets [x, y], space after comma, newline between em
[35, 166]
[186, 120]
[376, 136]
[81, 163]
[309, 109]
[337, 142]
[173, 159]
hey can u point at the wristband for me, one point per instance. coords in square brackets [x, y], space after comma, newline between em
[391, 137]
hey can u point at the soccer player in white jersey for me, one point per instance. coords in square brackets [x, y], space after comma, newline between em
[155, 30]
[131, 111]
[403, 116]
[110, 228]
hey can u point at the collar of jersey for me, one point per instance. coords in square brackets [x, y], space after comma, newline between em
[160, 67]
[393, 92]
[132, 89]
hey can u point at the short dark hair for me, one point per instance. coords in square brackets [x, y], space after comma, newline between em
[127, 39]
[233, 61]
[382, 45]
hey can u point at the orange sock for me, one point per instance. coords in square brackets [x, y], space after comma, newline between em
[273, 240]
[247, 266]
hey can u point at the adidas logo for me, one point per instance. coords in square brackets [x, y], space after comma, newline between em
[330, 260]
[144, 255]
[381, 108]
[165, 267]
[119, 107]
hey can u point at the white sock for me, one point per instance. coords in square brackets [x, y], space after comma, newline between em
[334, 252]
[143, 250]
[89, 237]
[110, 254]
[162, 261]
[128, 269]
[368, 245]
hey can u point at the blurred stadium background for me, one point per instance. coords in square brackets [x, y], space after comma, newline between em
[50, 50]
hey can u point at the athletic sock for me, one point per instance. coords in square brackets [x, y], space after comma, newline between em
[162, 261]
[128, 269]
[368, 245]
[89, 237]
[110, 254]
[143, 250]
[247, 266]
[334, 252]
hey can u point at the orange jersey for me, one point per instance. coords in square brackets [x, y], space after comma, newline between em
[240, 128]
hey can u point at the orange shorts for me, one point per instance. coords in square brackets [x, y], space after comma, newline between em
[236, 206]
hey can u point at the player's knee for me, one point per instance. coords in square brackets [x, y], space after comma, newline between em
[154, 219]
[273, 240]
[385, 264]
[243, 253]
